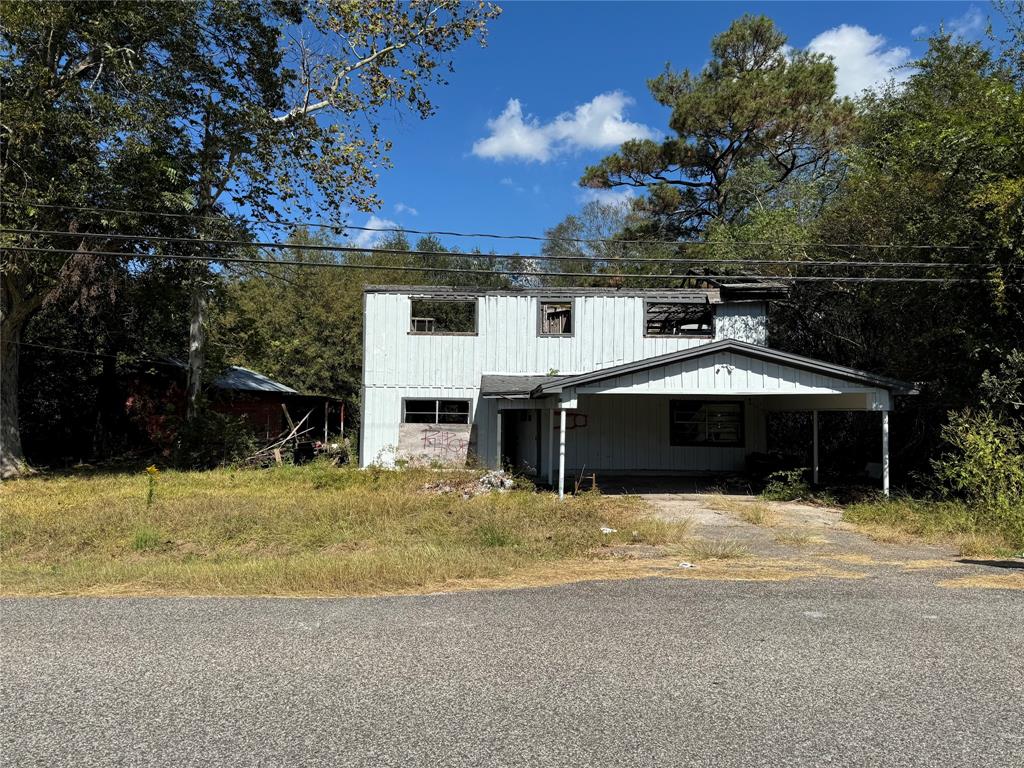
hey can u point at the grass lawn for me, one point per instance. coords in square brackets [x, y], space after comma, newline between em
[293, 531]
[954, 522]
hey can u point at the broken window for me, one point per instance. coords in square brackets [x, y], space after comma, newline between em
[695, 422]
[435, 412]
[443, 316]
[674, 318]
[555, 318]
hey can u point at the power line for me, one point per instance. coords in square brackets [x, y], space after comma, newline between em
[480, 235]
[489, 272]
[85, 352]
[321, 248]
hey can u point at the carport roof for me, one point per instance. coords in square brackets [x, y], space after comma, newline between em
[729, 345]
[492, 385]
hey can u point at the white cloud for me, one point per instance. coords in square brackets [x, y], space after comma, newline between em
[919, 30]
[970, 25]
[597, 124]
[401, 207]
[621, 196]
[862, 60]
[365, 238]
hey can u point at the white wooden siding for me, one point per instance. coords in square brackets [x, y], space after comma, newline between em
[631, 434]
[607, 331]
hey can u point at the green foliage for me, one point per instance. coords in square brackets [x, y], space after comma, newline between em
[146, 538]
[191, 108]
[985, 464]
[757, 115]
[212, 439]
[787, 485]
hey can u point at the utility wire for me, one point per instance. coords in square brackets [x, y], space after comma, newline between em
[321, 248]
[481, 235]
[490, 272]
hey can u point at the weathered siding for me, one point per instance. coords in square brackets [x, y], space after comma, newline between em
[609, 433]
[607, 331]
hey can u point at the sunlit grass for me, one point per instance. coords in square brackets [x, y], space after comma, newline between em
[292, 530]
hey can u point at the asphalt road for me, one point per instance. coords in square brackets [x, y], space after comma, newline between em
[661, 672]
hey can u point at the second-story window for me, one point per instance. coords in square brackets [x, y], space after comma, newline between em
[443, 316]
[555, 318]
[676, 318]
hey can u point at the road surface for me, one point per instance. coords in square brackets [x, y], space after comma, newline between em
[890, 669]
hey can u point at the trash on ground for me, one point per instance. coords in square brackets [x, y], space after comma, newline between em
[685, 564]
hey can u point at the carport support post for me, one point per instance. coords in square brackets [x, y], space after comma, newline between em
[561, 454]
[814, 467]
[551, 447]
[497, 447]
[885, 453]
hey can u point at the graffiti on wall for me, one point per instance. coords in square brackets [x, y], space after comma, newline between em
[432, 443]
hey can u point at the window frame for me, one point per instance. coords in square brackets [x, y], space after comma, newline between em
[741, 432]
[475, 301]
[437, 410]
[709, 334]
[540, 318]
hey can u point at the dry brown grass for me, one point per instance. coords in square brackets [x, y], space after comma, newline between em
[986, 581]
[293, 531]
[706, 549]
[794, 537]
[753, 512]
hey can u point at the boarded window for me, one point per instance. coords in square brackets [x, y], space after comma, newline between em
[695, 422]
[555, 318]
[673, 318]
[435, 412]
[443, 316]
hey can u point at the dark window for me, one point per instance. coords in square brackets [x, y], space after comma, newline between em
[435, 412]
[555, 318]
[673, 318]
[696, 422]
[443, 316]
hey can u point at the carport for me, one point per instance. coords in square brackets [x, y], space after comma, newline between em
[697, 411]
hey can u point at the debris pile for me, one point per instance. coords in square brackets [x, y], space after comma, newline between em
[493, 480]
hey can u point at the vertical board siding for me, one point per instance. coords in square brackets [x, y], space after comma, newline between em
[607, 331]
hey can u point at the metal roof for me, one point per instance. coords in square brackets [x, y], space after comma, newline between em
[241, 379]
[729, 345]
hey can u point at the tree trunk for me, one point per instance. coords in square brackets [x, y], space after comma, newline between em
[196, 344]
[12, 457]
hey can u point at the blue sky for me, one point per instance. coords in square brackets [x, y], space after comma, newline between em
[577, 72]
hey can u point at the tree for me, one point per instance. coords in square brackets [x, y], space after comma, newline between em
[937, 161]
[203, 108]
[757, 115]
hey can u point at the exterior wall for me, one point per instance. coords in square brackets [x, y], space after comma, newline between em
[608, 433]
[607, 331]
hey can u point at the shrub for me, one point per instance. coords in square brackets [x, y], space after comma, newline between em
[787, 485]
[985, 465]
[212, 439]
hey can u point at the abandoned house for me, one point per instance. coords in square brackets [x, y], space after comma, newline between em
[612, 381]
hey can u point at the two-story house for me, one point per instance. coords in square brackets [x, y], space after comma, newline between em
[589, 379]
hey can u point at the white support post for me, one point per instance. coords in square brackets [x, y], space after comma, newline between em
[561, 454]
[497, 461]
[885, 453]
[551, 447]
[814, 468]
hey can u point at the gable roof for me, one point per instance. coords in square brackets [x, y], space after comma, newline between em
[728, 345]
